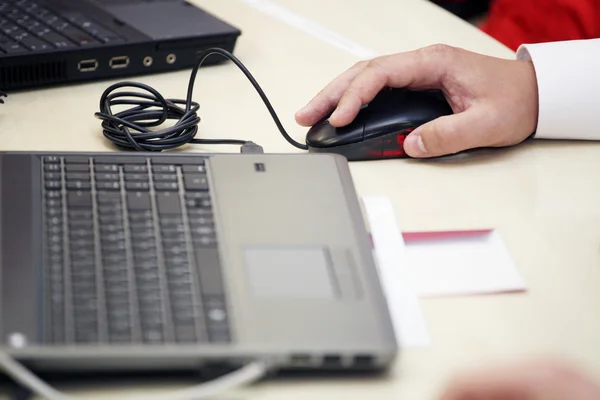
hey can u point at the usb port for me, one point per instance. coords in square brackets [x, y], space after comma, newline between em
[364, 361]
[332, 361]
[87, 65]
[301, 360]
[119, 62]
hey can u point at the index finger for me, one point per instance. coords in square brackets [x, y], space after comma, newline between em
[327, 99]
[418, 69]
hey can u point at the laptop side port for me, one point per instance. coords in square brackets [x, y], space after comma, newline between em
[87, 65]
[301, 360]
[362, 361]
[332, 361]
[119, 62]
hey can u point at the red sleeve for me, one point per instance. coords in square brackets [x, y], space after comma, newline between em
[514, 22]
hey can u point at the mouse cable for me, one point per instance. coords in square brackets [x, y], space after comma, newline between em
[245, 375]
[130, 128]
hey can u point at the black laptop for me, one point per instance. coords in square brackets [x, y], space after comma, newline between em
[45, 42]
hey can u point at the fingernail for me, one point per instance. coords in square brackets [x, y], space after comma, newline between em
[414, 141]
[339, 112]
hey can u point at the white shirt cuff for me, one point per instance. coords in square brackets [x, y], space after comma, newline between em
[568, 78]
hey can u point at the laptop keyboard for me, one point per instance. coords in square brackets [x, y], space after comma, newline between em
[29, 26]
[131, 251]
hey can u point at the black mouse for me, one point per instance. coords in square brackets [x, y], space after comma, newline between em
[379, 129]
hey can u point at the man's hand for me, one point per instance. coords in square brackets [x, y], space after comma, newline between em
[494, 100]
[533, 380]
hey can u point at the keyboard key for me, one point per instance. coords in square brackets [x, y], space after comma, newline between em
[209, 270]
[107, 177]
[35, 44]
[162, 169]
[81, 214]
[78, 185]
[115, 259]
[53, 185]
[168, 203]
[139, 201]
[142, 235]
[207, 241]
[9, 29]
[74, 34]
[108, 185]
[112, 228]
[111, 218]
[39, 12]
[57, 40]
[11, 47]
[138, 186]
[77, 168]
[165, 177]
[53, 195]
[76, 160]
[198, 202]
[171, 220]
[135, 217]
[53, 203]
[49, 18]
[51, 160]
[142, 247]
[77, 176]
[81, 223]
[29, 24]
[203, 230]
[135, 168]
[92, 27]
[110, 208]
[108, 197]
[113, 237]
[170, 186]
[195, 182]
[79, 199]
[138, 177]
[201, 220]
[193, 169]
[106, 168]
[52, 167]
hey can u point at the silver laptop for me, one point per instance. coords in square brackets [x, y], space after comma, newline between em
[136, 261]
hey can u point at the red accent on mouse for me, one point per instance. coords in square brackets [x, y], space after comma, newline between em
[380, 128]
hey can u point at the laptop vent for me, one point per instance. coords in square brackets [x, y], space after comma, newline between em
[32, 74]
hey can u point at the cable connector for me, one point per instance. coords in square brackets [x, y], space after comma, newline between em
[251, 148]
[2, 94]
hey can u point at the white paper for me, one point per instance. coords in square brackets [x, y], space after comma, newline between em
[307, 26]
[462, 265]
[407, 317]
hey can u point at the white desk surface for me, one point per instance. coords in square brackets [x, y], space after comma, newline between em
[544, 198]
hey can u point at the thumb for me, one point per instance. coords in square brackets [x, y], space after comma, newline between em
[447, 135]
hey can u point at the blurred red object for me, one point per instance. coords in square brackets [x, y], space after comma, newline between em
[514, 22]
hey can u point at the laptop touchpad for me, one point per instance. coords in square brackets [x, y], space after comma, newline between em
[293, 272]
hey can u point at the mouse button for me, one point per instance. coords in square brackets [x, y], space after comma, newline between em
[385, 125]
[324, 135]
